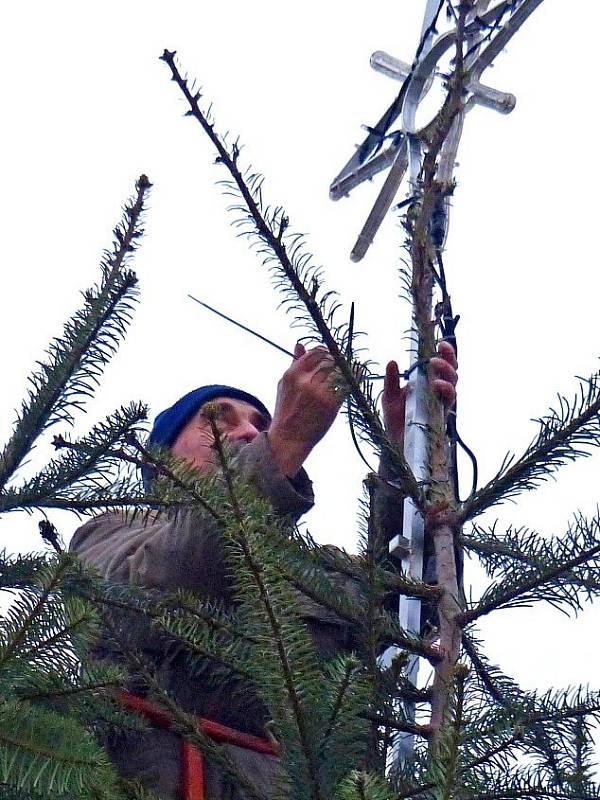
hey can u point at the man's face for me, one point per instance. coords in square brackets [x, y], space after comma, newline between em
[238, 422]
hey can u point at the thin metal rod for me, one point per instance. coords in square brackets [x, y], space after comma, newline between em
[343, 185]
[504, 36]
[382, 205]
[503, 102]
[243, 327]
[270, 341]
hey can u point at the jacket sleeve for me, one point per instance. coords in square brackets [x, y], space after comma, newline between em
[183, 549]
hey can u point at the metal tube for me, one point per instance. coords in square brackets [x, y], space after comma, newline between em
[503, 102]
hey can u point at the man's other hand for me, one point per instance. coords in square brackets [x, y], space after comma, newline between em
[442, 379]
[305, 408]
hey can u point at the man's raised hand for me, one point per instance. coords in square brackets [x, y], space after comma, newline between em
[307, 403]
[305, 408]
[442, 379]
[443, 375]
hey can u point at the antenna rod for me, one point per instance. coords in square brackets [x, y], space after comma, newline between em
[264, 338]
[243, 327]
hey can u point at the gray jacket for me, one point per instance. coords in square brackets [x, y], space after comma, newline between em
[183, 550]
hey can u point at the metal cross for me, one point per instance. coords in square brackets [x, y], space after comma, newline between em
[486, 33]
[369, 159]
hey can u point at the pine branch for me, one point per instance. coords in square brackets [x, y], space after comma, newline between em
[533, 584]
[67, 692]
[86, 463]
[264, 585]
[397, 688]
[522, 785]
[212, 615]
[42, 751]
[18, 571]
[48, 748]
[371, 549]
[489, 681]
[89, 339]
[398, 724]
[29, 608]
[527, 712]
[97, 502]
[583, 763]
[517, 790]
[203, 631]
[344, 724]
[293, 272]
[184, 482]
[307, 578]
[393, 634]
[355, 568]
[83, 690]
[363, 786]
[181, 476]
[61, 637]
[523, 553]
[565, 434]
[182, 721]
[307, 567]
[563, 705]
[198, 641]
[498, 749]
[444, 767]
[344, 682]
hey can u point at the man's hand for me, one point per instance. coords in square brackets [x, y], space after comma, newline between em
[442, 379]
[305, 408]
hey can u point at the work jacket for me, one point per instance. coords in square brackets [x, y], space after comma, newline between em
[183, 550]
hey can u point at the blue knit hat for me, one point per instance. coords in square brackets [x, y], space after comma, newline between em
[170, 422]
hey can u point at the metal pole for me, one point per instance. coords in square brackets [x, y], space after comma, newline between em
[415, 436]
[406, 154]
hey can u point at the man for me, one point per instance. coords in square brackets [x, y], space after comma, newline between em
[183, 550]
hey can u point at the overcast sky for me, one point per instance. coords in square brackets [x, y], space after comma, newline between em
[87, 107]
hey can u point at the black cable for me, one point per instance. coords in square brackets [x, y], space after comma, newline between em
[448, 324]
[471, 455]
[377, 134]
[354, 438]
[404, 203]
[491, 28]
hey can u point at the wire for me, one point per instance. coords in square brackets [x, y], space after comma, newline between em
[243, 327]
[448, 324]
[377, 134]
[471, 455]
[354, 437]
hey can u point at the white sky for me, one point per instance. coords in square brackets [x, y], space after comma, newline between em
[88, 107]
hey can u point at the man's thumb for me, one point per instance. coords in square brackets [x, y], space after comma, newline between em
[299, 350]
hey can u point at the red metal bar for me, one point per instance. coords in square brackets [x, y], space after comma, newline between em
[192, 763]
[222, 733]
[155, 714]
[192, 772]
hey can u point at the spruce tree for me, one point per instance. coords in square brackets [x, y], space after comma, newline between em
[52, 694]
[478, 734]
